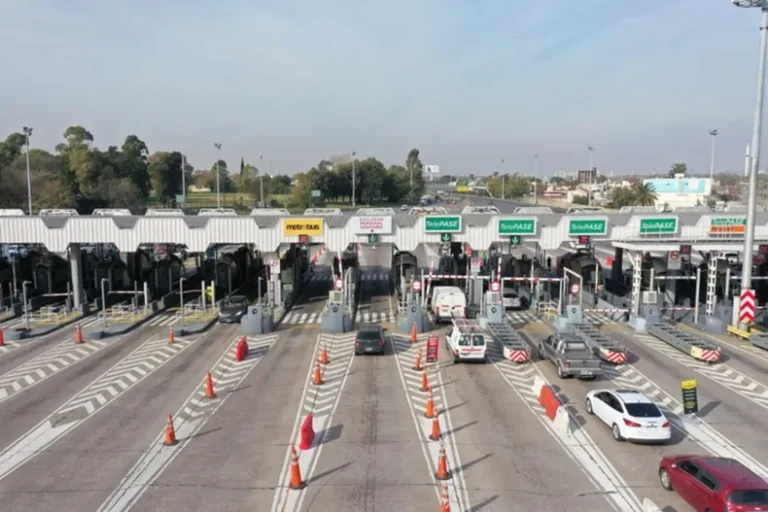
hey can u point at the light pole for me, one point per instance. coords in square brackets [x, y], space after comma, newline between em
[749, 239]
[217, 145]
[26, 304]
[535, 179]
[353, 177]
[713, 134]
[183, 179]
[27, 135]
[181, 297]
[502, 178]
[104, 301]
[261, 180]
[589, 175]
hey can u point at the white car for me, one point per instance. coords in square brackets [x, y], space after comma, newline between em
[631, 415]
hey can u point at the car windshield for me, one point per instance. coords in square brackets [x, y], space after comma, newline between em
[368, 335]
[236, 301]
[478, 340]
[643, 410]
[751, 497]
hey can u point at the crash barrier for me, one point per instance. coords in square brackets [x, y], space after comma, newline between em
[513, 346]
[601, 345]
[755, 336]
[685, 342]
[124, 314]
[52, 315]
[553, 408]
[615, 314]
[197, 312]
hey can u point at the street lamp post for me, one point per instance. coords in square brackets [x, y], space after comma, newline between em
[261, 181]
[713, 134]
[181, 297]
[104, 302]
[589, 175]
[749, 239]
[535, 179]
[26, 304]
[217, 145]
[27, 135]
[502, 178]
[183, 179]
[353, 178]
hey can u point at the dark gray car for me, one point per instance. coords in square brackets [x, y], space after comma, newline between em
[371, 339]
[233, 309]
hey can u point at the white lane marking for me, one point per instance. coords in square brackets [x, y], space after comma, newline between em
[724, 374]
[86, 403]
[698, 430]
[193, 414]
[579, 446]
[405, 355]
[341, 351]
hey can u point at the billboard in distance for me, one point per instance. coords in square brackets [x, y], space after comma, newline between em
[700, 186]
[432, 169]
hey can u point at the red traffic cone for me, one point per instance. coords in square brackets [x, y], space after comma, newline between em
[445, 499]
[414, 334]
[442, 472]
[209, 386]
[171, 336]
[317, 378]
[170, 432]
[2, 337]
[78, 333]
[296, 481]
[435, 435]
[324, 355]
[424, 380]
[418, 366]
[429, 413]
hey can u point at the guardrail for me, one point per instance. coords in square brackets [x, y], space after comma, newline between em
[755, 336]
[123, 314]
[50, 315]
[197, 313]
[686, 342]
[547, 309]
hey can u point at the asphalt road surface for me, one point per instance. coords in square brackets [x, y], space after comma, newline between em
[83, 425]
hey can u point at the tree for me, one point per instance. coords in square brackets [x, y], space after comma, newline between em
[414, 165]
[165, 176]
[134, 164]
[225, 182]
[678, 168]
[643, 194]
[11, 148]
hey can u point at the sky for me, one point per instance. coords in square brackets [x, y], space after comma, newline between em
[468, 82]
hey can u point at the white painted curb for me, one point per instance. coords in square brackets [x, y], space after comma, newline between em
[538, 383]
[649, 506]
[562, 421]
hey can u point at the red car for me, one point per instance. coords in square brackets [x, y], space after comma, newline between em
[714, 484]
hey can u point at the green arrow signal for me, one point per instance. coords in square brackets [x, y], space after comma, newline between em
[445, 237]
[515, 240]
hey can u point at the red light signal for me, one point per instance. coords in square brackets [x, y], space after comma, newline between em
[583, 240]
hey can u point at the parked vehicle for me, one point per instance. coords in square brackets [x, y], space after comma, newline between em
[714, 483]
[467, 341]
[370, 339]
[512, 300]
[571, 356]
[448, 302]
[233, 309]
[630, 414]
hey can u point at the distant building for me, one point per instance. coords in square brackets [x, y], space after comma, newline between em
[681, 191]
[587, 175]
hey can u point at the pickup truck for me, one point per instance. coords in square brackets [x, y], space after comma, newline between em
[571, 356]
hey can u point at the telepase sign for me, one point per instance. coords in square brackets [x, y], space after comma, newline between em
[372, 225]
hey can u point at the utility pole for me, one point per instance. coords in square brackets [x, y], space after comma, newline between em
[261, 181]
[502, 178]
[183, 179]
[713, 134]
[27, 135]
[217, 145]
[535, 179]
[589, 175]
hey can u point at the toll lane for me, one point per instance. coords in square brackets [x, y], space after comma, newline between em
[372, 456]
[636, 463]
[733, 413]
[510, 462]
[18, 352]
[237, 456]
[75, 457]
[28, 406]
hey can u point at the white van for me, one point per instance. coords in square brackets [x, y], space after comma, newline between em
[467, 341]
[448, 302]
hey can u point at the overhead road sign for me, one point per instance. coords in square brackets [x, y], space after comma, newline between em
[658, 225]
[381, 225]
[728, 225]
[517, 226]
[593, 226]
[442, 224]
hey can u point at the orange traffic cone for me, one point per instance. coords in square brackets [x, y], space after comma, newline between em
[209, 386]
[414, 334]
[442, 472]
[445, 500]
[318, 376]
[296, 481]
[324, 355]
[418, 366]
[424, 380]
[170, 432]
[171, 336]
[430, 412]
[435, 435]
[78, 333]
[2, 337]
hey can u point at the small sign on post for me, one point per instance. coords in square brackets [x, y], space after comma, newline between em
[339, 284]
[495, 286]
[433, 341]
[690, 397]
[575, 289]
[416, 286]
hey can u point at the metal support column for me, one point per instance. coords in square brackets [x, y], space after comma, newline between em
[711, 285]
[637, 280]
[75, 264]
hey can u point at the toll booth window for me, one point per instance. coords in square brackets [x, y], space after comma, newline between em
[478, 340]
[463, 341]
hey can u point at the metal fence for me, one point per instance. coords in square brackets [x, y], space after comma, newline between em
[123, 314]
[196, 312]
[51, 315]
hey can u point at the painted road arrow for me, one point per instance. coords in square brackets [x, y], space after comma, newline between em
[138, 365]
[44, 366]
[228, 374]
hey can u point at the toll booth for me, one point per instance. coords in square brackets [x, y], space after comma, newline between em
[494, 309]
[257, 320]
[336, 317]
[414, 314]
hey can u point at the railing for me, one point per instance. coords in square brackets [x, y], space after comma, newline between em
[548, 309]
[196, 312]
[123, 314]
[51, 315]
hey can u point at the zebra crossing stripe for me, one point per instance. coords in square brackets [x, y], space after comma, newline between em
[228, 375]
[376, 317]
[527, 317]
[44, 366]
[93, 398]
[721, 373]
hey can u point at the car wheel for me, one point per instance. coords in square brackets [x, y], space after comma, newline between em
[664, 478]
[541, 354]
[560, 372]
[616, 432]
[588, 406]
